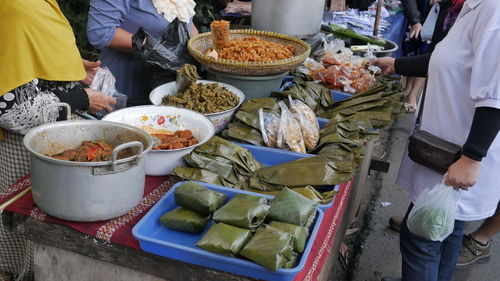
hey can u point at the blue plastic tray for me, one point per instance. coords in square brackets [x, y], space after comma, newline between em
[156, 239]
[270, 156]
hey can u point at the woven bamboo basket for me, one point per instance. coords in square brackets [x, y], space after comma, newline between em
[200, 43]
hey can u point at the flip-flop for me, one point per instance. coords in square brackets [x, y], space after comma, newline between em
[410, 107]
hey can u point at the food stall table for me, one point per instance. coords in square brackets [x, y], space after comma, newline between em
[67, 250]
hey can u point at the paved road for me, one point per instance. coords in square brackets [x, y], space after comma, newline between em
[374, 249]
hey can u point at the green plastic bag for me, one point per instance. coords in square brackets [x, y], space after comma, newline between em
[185, 220]
[198, 198]
[299, 234]
[292, 207]
[224, 239]
[269, 247]
[244, 211]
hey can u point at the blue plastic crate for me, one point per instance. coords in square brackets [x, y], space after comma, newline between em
[270, 156]
[157, 239]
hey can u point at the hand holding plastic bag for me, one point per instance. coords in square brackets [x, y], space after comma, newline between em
[433, 215]
[104, 82]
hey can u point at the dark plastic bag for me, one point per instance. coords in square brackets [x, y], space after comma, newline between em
[160, 58]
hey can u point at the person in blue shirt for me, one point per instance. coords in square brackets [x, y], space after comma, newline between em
[111, 24]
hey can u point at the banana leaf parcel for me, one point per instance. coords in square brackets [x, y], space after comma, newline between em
[243, 211]
[299, 234]
[224, 239]
[185, 220]
[269, 247]
[313, 171]
[198, 198]
[292, 207]
[292, 262]
[196, 174]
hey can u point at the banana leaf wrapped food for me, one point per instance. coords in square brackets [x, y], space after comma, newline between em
[292, 207]
[185, 220]
[292, 262]
[299, 234]
[269, 247]
[224, 239]
[244, 211]
[198, 198]
[196, 174]
[313, 171]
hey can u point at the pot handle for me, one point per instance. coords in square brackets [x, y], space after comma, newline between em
[45, 113]
[123, 146]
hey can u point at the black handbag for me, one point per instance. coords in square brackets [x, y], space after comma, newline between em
[431, 151]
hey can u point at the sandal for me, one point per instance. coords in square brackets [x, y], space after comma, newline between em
[410, 107]
[472, 251]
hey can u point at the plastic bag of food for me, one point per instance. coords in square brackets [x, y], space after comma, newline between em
[313, 69]
[269, 247]
[185, 220]
[244, 211]
[220, 33]
[104, 82]
[335, 53]
[291, 207]
[186, 75]
[270, 125]
[433, 215]
[289, 134]
[299, 234]
[198, 198]
[224, 239]
[308, 122]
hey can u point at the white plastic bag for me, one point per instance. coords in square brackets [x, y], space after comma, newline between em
[308, 122]
[290, 134]
[433, 215]
[269, 127]
[104, 82]
[430, 23]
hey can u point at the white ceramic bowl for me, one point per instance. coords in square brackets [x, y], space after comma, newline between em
[151, 117]
[219, 119]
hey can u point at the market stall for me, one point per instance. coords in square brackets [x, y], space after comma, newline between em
[279, 146]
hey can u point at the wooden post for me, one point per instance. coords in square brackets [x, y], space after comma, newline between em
[337, 5]
[377, 18]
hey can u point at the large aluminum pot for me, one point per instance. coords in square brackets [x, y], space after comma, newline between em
[299, 18]
[86, 191]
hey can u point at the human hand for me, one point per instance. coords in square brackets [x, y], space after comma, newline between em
[415, 30]
[91, 67]
[386, 64]
[463, 173]
[432, 2]
[99, 101]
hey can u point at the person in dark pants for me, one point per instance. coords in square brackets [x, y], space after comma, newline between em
[462, 105]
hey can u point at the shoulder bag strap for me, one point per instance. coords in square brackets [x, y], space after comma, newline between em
[421, 107]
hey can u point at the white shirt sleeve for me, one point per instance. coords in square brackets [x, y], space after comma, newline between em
[485, 76]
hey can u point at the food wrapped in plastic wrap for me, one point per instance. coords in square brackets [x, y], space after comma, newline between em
[270, 126]
[290, 134]
[220, 33]
[198, 198]
[307, 120]
[224, 239]
[291, 207]
[185, 220]
[299, 234]
[186, 75]
[269, 247]
[244, 211]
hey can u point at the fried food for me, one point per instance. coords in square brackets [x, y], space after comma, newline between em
[204, 98]
[220, 33]
[179, 139]
[255, 49]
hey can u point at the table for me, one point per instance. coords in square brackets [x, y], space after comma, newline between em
[61, 250]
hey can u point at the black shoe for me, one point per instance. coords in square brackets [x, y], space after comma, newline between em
[395, 223]
[391, 279]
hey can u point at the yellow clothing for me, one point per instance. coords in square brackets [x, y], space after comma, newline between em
[37, 42]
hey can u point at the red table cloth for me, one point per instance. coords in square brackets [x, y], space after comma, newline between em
[119, 230]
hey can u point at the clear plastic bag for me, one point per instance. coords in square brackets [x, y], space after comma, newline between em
[104, 82]
[270, 125]
[433, 215]
[308, 122]
[289, 134]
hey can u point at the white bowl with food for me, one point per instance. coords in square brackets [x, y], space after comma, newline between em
[167, 125]
[220, 119]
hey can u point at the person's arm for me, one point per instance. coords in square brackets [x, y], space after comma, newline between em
[411, 12]
[484, 130]
[413, 66]
[104, 25]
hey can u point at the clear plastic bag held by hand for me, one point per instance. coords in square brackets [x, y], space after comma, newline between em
[433, 215]
[104, 82]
